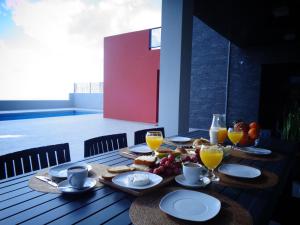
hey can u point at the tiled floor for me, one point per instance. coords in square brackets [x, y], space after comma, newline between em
[16, 135]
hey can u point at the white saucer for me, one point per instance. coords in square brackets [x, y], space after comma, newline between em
[180, 139]
[237, 170]
[141, 149]
[180, 179]
[65, 187]
[60, 171]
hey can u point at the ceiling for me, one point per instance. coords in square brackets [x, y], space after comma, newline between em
[252, 23]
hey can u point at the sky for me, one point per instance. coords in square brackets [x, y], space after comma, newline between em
[48, 45]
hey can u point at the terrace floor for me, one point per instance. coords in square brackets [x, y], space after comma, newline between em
[16, 135]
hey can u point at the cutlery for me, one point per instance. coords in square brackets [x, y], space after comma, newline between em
[47, 180]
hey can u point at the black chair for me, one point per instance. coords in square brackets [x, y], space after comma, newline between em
[103, 144]
[139, 136]
[29, 160]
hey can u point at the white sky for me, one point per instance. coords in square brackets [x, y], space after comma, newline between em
[55, 43]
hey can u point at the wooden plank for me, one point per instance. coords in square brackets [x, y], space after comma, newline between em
[15, 193]
[89, 209]
[76, 203]
[108, 213]
[122, 218]
[49, 202]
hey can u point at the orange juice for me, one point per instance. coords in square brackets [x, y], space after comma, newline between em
[235, 136]
[154, 142]
[222, 134]
[211, 158]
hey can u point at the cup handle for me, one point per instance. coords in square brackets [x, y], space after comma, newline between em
[70, 179]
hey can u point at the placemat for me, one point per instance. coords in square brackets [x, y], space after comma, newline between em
[274, 156]
[265, 180]
[145, 211]
[42, 186]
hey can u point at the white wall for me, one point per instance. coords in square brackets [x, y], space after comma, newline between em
[87, 100]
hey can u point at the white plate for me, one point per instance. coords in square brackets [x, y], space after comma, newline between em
[180, 139]
[237, 170]
[202, 182]
[65, 187]
[141, 149]
[122, 180]
[60, 171]
[190, 205]
[256, 151]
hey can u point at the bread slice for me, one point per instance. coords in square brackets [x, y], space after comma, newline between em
[140, 167]
[146, 160]
[119, 169]
[108, 176]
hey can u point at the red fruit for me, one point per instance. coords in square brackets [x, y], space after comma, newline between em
[254, 125]
[151, 171]
[168, 164]
[161, 169]
[156, 171]
[169, 172]
[253, 133]
[187, 158]
[176, 171]
[171, 158]
[163, 161]
[242, 126]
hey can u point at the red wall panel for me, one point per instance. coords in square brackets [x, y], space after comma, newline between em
[130, 77]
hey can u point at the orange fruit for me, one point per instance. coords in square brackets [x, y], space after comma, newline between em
[244, 140]
[253, 133]
[254, 125]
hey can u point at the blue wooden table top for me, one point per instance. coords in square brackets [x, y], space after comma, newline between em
[19, 204]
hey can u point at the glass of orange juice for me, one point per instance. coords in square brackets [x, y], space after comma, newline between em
[235, 135]
[211, 157]
[154, 139]
[222, 134]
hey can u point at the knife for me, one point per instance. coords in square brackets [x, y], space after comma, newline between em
[47, 180]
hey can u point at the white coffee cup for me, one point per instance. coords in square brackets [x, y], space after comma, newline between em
[192, 172]
[77, 176]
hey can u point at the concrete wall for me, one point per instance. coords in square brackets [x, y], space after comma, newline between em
[131, 77]
[212, 57]
[87, 100]
[34, 104]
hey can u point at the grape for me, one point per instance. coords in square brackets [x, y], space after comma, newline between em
[176, 171]
[156, 171]
[168, 164]
[169, 172]
[187, 158]
[163, 161]
[171, 158]
[161, 169]
[151, 170]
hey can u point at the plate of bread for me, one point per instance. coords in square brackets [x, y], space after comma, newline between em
[137, 180]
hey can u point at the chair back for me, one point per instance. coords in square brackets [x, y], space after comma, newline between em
[29, 160]
[103, 144]
[140, 135]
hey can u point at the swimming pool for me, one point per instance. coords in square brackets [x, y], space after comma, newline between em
[43, 114]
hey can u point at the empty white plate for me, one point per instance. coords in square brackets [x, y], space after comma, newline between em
[190, 205]
[60, 171]
[237, 170]
[180, 139]
[65, 187]
[200, 183]
[122, 180]
[256, 151]
[141, 149]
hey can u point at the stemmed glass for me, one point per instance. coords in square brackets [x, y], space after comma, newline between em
[154, 139]
[235, 135]
[211, 156]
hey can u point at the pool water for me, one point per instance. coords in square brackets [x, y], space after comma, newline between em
[32, 115]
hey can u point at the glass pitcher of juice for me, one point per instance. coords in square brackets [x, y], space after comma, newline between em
[218, 130]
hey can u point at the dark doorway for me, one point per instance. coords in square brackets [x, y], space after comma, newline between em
[279, 92]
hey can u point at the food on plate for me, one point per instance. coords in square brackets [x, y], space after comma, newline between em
[140, 167]
[226, 150]
[146, 160]
[163, 152]
[119, 169]
[138, 179]
[180, 150]
[201, 141]
[108, 176]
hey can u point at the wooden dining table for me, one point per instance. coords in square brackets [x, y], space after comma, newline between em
[19, 204]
